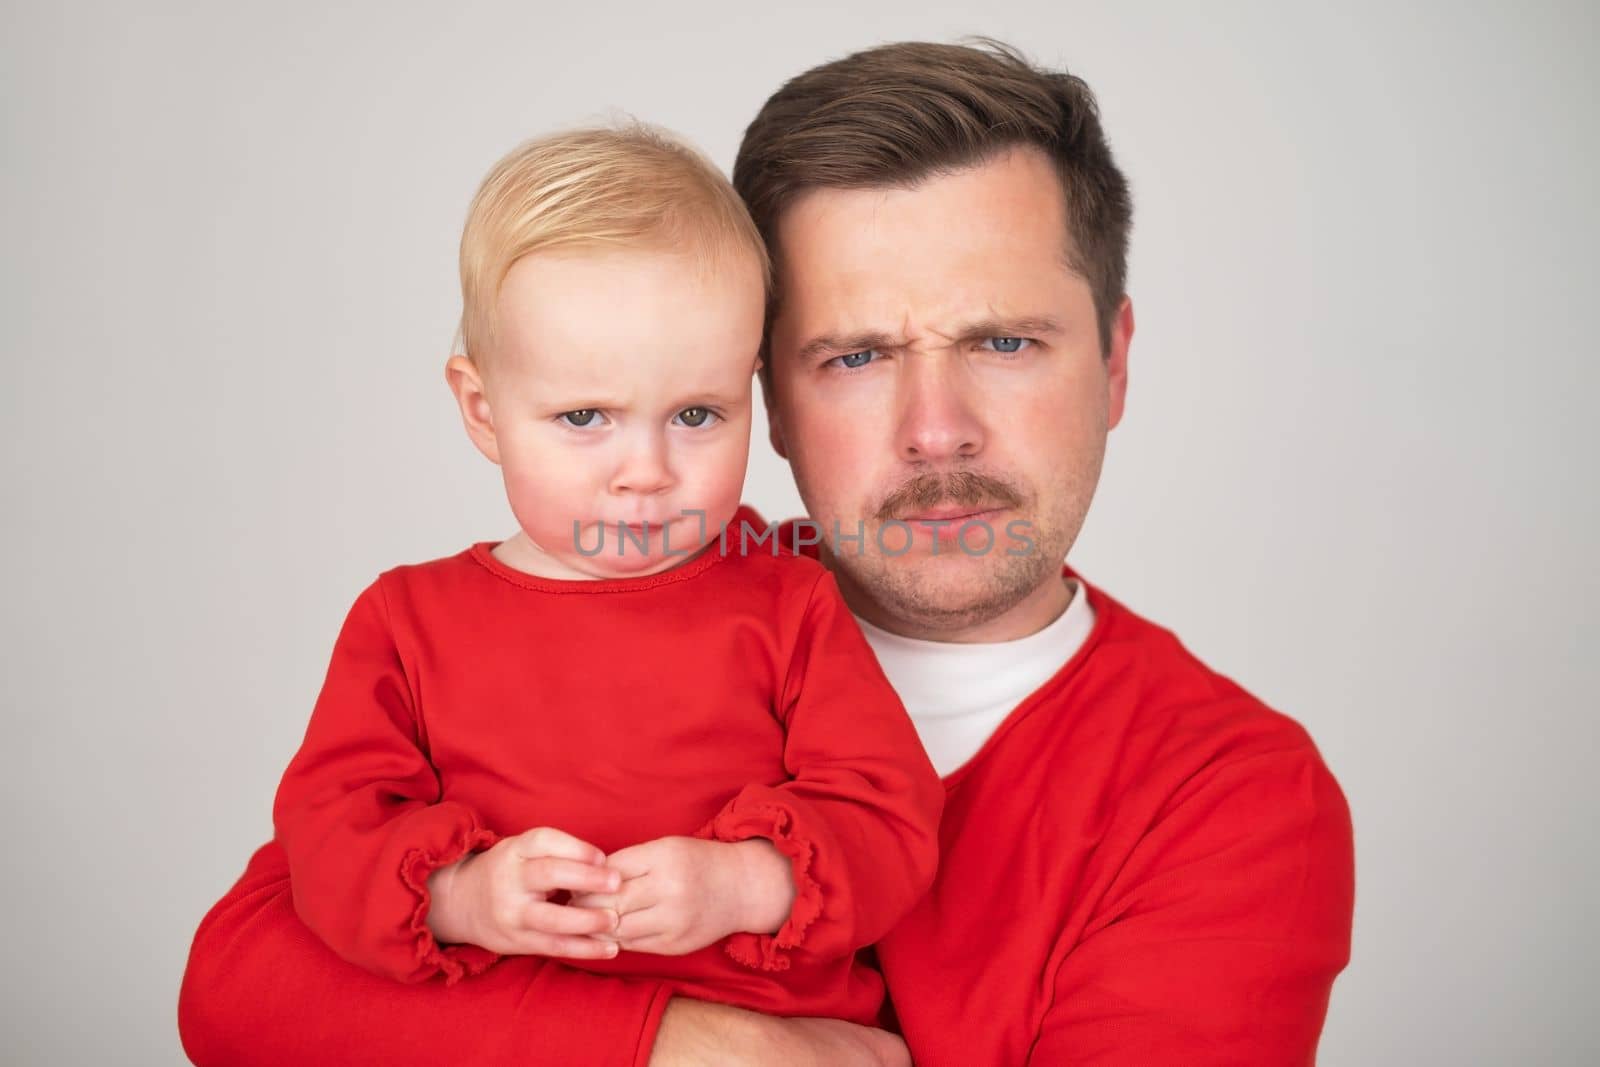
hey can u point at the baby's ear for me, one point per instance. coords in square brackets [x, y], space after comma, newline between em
[466, 384]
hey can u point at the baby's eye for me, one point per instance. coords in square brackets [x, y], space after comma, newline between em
[1007, 345]
[852, 360]
[696, 417]
[580, 418]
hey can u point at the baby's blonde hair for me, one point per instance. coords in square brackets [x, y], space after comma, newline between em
[625, 187]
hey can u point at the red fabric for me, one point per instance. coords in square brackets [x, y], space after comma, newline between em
[732, 697]
[1144, 865]
[261, 990]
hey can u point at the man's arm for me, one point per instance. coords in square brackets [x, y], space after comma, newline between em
[697, 1034]
[260, 988]
[1220, 940]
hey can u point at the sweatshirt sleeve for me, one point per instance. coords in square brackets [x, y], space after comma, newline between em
[858, 818]
[260, 990]
[1222, 936]
[360, 816]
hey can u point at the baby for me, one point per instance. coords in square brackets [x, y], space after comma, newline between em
[616, 738]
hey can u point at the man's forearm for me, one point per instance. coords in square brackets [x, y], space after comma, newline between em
[694, 1033]
[262, 989]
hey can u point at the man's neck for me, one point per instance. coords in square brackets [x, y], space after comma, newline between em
[958, 695]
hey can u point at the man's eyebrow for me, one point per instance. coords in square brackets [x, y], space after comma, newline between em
[844, 344]
[1027, 326]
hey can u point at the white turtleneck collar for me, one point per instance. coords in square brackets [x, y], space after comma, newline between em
[959, 694]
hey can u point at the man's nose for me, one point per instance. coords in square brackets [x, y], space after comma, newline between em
[937, 418]
[645, 466]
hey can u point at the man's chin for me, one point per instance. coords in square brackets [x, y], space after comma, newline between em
[947, 590]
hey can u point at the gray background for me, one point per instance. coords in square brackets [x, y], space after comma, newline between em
[1356, 472]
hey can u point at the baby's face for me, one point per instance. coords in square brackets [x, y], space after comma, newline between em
[620, 389]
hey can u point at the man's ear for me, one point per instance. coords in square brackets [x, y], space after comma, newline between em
[1117, 363]
[467, 384]
[769, 400]
[775, 432]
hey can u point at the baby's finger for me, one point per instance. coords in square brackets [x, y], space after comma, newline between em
[635, 893]
[546, 874]
[566, 947]
[543, 917]
[636, 860]
[548, 841]
[644, 923]
[656, 944]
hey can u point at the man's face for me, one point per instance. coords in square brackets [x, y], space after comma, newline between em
[934, 356]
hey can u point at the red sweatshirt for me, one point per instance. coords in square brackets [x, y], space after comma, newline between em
[728, 698]
[1144, 865]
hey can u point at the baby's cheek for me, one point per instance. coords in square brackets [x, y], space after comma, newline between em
[720, 488]
[543, 501]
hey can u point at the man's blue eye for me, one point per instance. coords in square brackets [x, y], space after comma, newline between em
[857, 359]
[581, 417]
[1008, 344]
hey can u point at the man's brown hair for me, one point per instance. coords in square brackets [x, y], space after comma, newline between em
[899, 113]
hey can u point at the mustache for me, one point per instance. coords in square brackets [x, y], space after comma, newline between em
[966, 489]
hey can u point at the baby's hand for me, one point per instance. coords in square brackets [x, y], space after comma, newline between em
[499, 899]
[680, 894]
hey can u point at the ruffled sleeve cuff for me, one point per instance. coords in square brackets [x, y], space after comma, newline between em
[453, 961]
[771, 952]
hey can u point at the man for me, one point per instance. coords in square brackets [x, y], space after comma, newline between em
[1140, 862]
